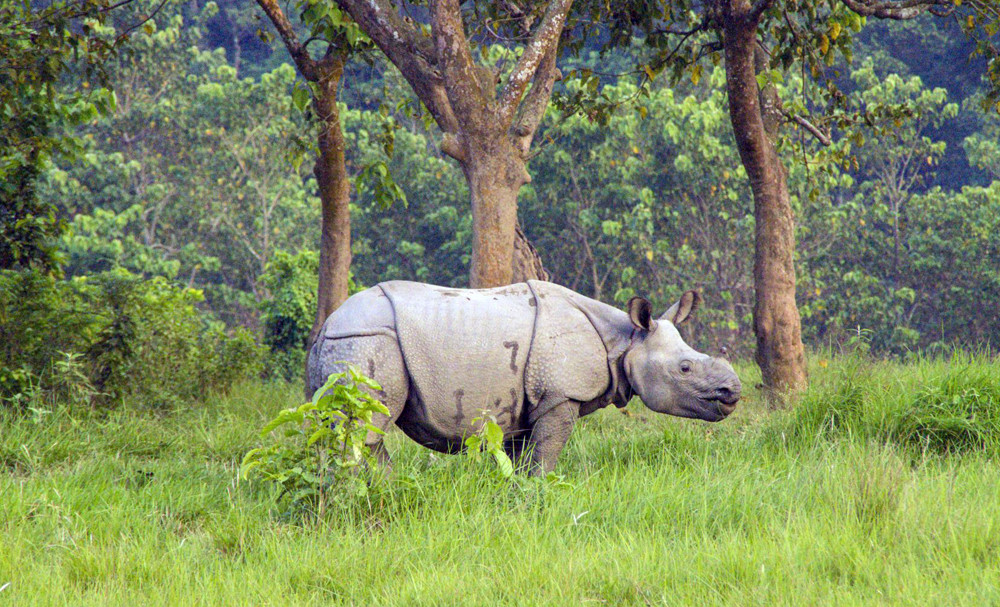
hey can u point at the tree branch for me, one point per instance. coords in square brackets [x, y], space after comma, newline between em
[813, 129]
[536, 101]
[462, 81]
[125, 33]
[758, 8]
[409, 50]
[544, 38]
[450, 146]
[298, 51]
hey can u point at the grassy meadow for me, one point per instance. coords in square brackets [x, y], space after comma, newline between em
[881, 487]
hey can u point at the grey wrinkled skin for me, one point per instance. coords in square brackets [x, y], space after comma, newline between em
[535, 356]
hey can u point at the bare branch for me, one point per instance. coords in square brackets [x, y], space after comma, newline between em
[519, 14]
[140, 23]
[813, 129]
[545, 37]
[899, 10]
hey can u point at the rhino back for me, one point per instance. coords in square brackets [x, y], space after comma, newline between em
[465, 352]
[568, 359]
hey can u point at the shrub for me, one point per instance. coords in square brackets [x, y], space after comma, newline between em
[322, 453]
[489, 440]
[288, 313]
[110, 337]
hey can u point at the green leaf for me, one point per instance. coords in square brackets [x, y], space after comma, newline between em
[493, 434]
[473, 443]
[300, 97]
[503, 461]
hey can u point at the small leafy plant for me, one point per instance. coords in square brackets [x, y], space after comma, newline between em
[489, 440]
[321, 453]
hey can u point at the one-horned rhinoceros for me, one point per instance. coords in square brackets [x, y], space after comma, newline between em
[534, 355]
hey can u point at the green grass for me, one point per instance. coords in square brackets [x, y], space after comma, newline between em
[881, 487]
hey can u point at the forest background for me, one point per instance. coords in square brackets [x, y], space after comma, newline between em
[181, 213]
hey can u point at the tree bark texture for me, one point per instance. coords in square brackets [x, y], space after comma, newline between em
[780, 353]
[527, 262]
[494, 219]
[334, 193]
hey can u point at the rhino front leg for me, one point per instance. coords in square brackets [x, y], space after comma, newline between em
[549, 436]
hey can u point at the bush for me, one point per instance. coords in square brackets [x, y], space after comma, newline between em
[111, 337]
[288, 314]
[323, 447]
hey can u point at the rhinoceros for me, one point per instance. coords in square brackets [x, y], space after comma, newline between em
[536, 356]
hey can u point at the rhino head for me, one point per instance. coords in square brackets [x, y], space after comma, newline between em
[669, 375]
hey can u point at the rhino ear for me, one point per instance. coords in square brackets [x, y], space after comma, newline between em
[640, 312]
[682, 310]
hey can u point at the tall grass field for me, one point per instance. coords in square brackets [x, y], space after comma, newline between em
[880, 487]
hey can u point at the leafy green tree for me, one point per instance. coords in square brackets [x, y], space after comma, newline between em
[37, 43]
[898, 153]
[487, 128]
[329, 25]
[654, 200]
[982, 148]
[954, 266]
[200, 184]
[759, 43]
[907, 260]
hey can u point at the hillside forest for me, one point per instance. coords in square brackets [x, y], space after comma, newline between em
[169, 201]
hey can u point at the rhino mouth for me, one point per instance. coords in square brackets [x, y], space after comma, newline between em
[724, 405]
[729, 401]
[724, 396]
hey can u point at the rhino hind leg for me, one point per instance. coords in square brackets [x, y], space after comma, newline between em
[377, 356]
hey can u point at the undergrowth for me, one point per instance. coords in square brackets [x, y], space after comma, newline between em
[881, 486]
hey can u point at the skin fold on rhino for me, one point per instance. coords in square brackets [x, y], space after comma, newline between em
[536, 356]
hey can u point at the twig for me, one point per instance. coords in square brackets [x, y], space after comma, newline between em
[136, 26]
[816, 132]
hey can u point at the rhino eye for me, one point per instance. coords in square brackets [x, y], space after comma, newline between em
[685, 366]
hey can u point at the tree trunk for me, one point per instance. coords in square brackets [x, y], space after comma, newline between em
[501, 253]
[780, 353]
[494, 221]
[334, 193]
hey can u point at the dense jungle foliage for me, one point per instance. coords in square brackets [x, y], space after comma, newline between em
[177, 211]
